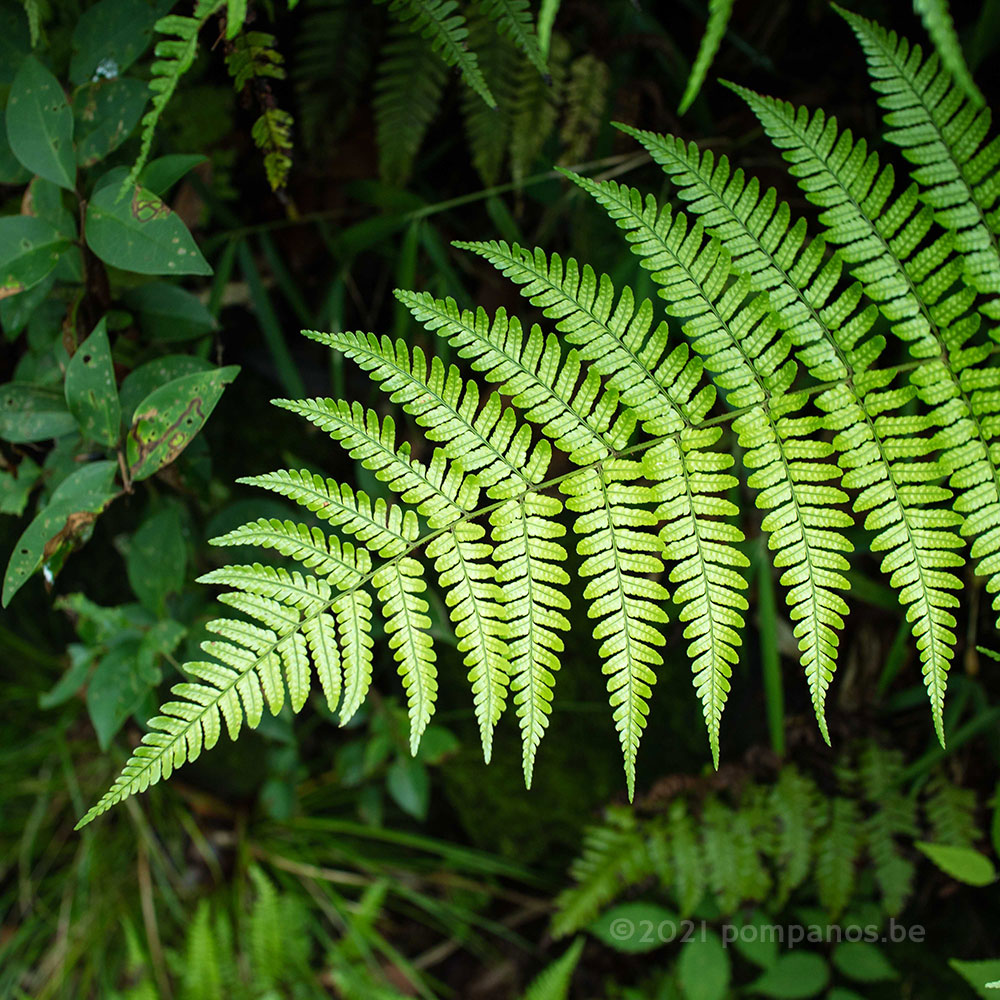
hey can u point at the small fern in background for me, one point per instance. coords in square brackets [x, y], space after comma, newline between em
[745, 844]
[769, 338]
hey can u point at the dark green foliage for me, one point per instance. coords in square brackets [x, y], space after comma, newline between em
[752, 839]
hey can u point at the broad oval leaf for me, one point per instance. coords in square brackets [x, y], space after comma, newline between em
[138, 384]
[115, 690]
[156, 559]
[166, 312]
[33, 413]
[109, 37]
[863, 962]
[29, 252]
[703, 968]
[138, 232]
[72, 509]
[961, 863]
[91, 392]
[169, 417]
[163, 173]
[40, 124]
[106, 112]
[637, 926]
[795, 976]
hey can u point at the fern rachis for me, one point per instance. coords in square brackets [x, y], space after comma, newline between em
[782, 327]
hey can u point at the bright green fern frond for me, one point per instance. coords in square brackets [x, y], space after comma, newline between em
[384, 530]
[614, 337]
[565, 397]
[915, 283]
[771, 333]
[623, 560]
[942, 133]
[407, 97]
[719, 12]
[444, 26]
[530, 572]
[400, 584]
[701, 544]
[937, 20]
[513, 19]
[315, 550]
[174, 57]
[737, 335]
[485, 441]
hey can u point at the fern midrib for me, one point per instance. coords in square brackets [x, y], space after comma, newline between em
[530, 724]
[630, 748]
[713, 722]
[490, 711]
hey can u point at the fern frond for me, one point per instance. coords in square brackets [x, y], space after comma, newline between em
[400, 584]
[719, 13]
[621, 561]
[513, 20]
[951, 812]
[613, 855]
[893, 814]
[937, 20]
[837, 851]
[488, 129]
[665, 394]
[444, 26]
[534, 109]
[407, 97]
[944, 135]
[584, 97]
[794, 803]
[738, 337]
[584, 420]
[912, 281]
[483, 441]
[335, 40]
[553, 982]
[174, 57]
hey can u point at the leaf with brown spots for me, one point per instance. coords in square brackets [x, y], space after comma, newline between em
[170, 416]
[139, 232]
[73, 508]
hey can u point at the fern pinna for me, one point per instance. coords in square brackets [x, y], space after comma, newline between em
[781, 336]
